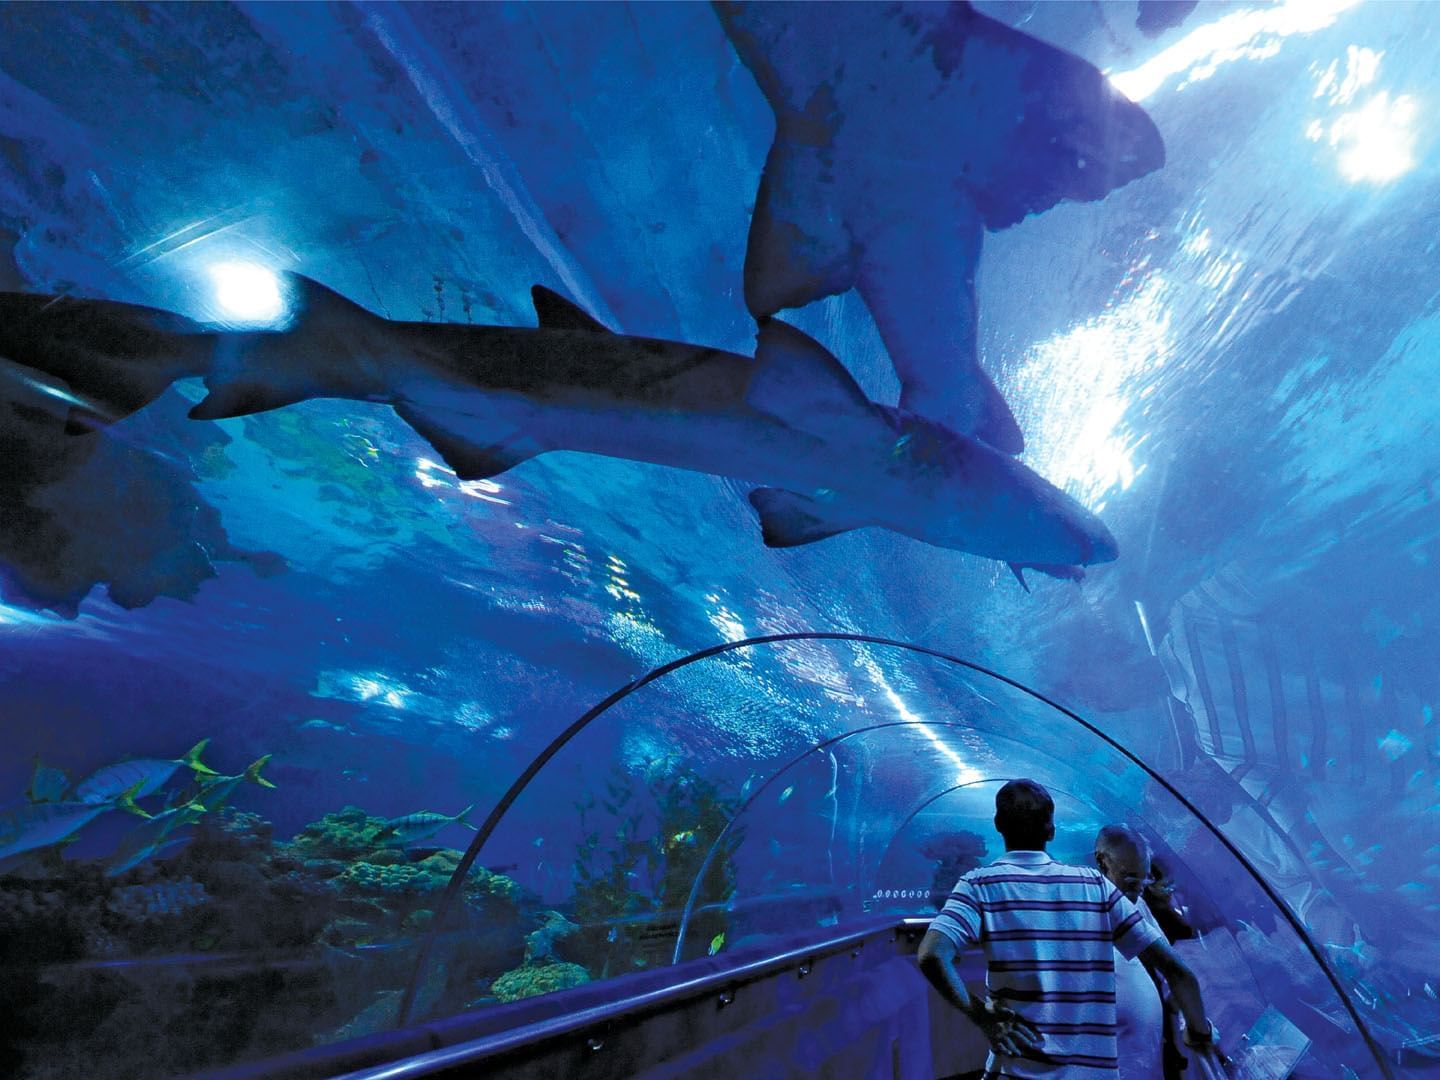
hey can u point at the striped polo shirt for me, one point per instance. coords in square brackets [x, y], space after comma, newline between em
[1047, 930]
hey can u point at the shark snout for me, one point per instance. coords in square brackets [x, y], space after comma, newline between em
[1095, 542]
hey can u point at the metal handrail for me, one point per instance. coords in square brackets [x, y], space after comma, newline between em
[568, 1023]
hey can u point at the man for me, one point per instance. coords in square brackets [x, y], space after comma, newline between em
[1123, 856]
[1048, 931]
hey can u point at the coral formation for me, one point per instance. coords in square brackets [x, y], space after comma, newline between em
[156, 899]
[345, 834]
[532, 980]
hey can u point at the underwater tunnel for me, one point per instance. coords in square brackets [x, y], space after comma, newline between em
[533, 535]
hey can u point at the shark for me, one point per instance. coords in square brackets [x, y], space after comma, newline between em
[903, 132]
[790, 419]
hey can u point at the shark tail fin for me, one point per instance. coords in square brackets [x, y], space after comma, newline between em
[192, 759]
[557, 313]
[460, 817]
[252, 772]
[66, 355]
[789, 520]
[126, 800]
[1065, 573]
[258, 371]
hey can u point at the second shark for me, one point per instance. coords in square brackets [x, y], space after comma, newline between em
[487, 398]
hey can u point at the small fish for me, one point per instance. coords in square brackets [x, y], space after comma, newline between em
[144, 776]
[686, 837]
[401, 831]
[717, 943]
[613, 935]
[322, 725]
[46, 784]
[214, 794]
[787, 793]
[43, 824]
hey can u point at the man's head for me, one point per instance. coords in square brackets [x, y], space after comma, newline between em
[1123, 856]
[1024, 816]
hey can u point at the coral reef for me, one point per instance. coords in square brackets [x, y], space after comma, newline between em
[338, 917]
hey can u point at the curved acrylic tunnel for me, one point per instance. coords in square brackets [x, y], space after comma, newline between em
[870, 791]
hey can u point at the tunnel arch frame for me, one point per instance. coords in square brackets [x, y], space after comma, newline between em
[492, 820]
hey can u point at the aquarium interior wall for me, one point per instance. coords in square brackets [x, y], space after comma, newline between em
[1229, 359]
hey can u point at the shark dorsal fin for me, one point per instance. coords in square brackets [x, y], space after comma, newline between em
[789, 520]
[557, 313]
[796, 378]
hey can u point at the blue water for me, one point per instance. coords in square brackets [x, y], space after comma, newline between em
[1231, 360]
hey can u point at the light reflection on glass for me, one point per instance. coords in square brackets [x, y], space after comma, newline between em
[965, 772]
[1244, 35]
[1376, 142]
[1079, 385]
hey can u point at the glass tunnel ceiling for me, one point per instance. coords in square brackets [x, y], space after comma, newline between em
[1230, 360]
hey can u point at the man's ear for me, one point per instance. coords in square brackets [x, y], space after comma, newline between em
[1050, 832]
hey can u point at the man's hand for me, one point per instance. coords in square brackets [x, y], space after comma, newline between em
[1007, 1031]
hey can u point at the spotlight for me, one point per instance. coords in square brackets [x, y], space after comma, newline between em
[247, 292]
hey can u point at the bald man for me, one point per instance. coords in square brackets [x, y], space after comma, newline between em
[1123, 856]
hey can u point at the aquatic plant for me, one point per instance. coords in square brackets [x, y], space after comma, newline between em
[633, 878]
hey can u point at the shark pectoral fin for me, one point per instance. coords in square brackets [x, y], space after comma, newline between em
[798, 250]
[796, 378]
[557, 313]
[1018, 571]
[469, 461]
[243, 397]
[789, 520]
[1065, 573]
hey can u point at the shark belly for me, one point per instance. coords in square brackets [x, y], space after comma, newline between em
[737, 445]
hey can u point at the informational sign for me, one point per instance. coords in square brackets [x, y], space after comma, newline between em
[1269, 1050]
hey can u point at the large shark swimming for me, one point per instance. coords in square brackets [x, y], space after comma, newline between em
[904, 131]
[487, 398]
